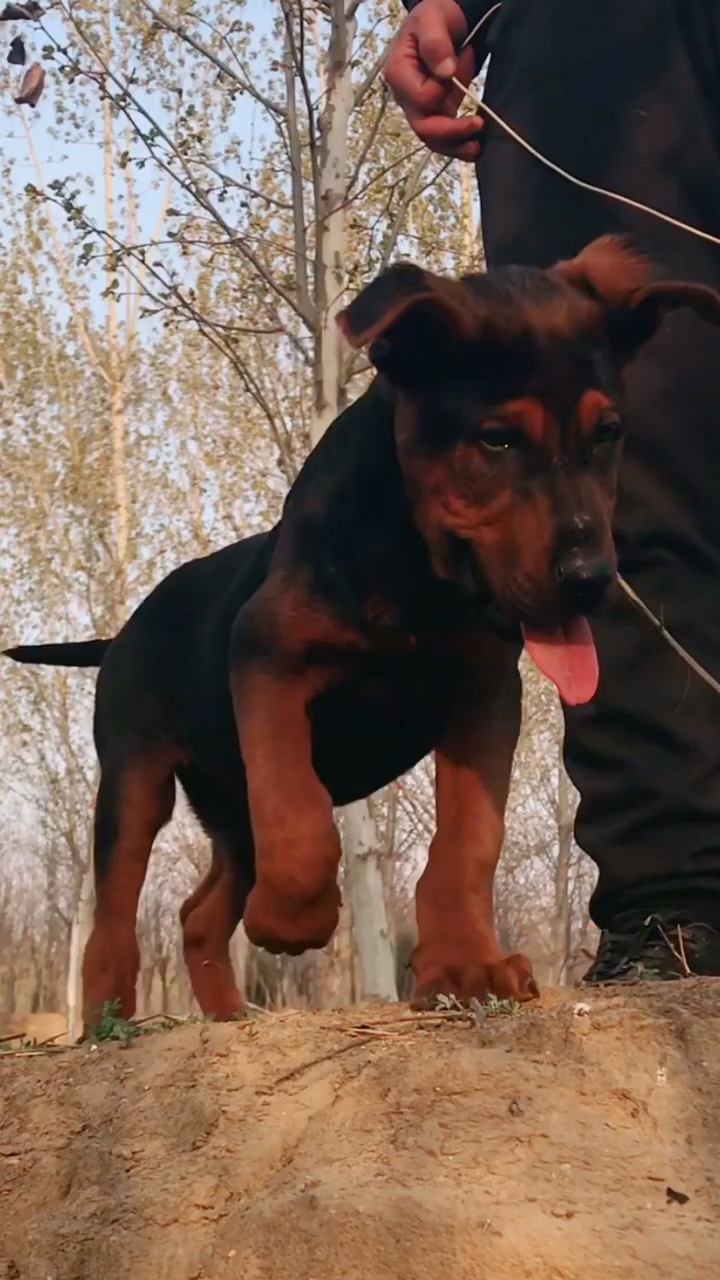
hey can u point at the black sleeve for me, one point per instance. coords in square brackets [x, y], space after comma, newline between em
[474, 10]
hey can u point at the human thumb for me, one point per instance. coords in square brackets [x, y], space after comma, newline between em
[435, 43]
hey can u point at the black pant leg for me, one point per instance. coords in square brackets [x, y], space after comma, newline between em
[645, 755]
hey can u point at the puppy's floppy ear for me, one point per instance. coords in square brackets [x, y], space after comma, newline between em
[631, 327]
[404, 316]
[615, 273]
[609, 270]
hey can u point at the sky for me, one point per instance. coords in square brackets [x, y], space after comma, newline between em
[83, 156]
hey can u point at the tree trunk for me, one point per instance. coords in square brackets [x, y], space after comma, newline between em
[469, 230]
[79, 934]
[361, 843]
[562, 930]
[144, 990]
[9, 987]
[117, 377]
[117, 369]
[239, 958]
[365, 893]
[334, 983]
[164, 988]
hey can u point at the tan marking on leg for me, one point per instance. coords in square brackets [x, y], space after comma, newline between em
[457, 951]
[215, 910]
[295, 902]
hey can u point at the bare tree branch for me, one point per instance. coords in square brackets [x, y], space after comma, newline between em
[298, 57]
[369, 142]
[188, 183]
[366, 85]
[63, 272]
[296, 181]
[244, 83]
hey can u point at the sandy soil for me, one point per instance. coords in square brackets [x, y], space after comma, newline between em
[540, 1145]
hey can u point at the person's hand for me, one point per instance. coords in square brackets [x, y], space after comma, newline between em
[419, 71]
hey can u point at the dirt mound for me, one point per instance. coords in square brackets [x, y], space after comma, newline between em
[33, 1027]
[307, 1148]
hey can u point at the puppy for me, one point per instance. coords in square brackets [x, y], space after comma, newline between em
[460, 508]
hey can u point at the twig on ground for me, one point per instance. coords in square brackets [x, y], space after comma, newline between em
[161, 1017]
[679, 955]
[681, 945]
[37, 1044]
[41, 1051]
[314, 1062]
[413, 1019]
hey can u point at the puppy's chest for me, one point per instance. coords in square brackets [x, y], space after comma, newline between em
[390, 686]
[422, 622]
[410, 665]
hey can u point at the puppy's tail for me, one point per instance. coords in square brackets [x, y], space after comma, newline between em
[84, 653]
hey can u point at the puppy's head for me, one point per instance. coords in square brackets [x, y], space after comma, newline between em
[509, 427]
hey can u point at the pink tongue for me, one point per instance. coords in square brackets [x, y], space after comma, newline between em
[568, 657]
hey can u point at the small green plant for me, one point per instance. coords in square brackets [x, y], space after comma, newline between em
[17, 1045]
[448, 1004]
[488, 1007]
[113, 1027]
[510, 1008]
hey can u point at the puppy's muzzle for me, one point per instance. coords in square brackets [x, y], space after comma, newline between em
[583, 579]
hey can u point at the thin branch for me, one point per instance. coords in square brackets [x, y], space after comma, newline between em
[63, 272]
[135, 308]
[412, 191]
[298, 57]
[209, 328]
[369, 141]
[199, 46]
[382, 173]
[228, 180]
[431, 181]
[366, 85]
[189, 183]
[660, 627]
[297, 185]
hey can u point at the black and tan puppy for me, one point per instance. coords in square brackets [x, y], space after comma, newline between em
[459, 507]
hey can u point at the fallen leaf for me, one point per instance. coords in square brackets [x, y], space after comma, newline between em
[17, 56]
[21, 12]
[31, 87]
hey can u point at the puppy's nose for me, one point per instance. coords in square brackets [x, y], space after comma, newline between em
[583, 580]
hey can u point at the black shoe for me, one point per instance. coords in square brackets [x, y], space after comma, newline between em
[649, 948]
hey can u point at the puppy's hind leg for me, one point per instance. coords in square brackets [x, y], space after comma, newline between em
[209, 919]
[134, 801]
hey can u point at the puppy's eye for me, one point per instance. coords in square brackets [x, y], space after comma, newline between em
[608, 431]
[499, 437]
